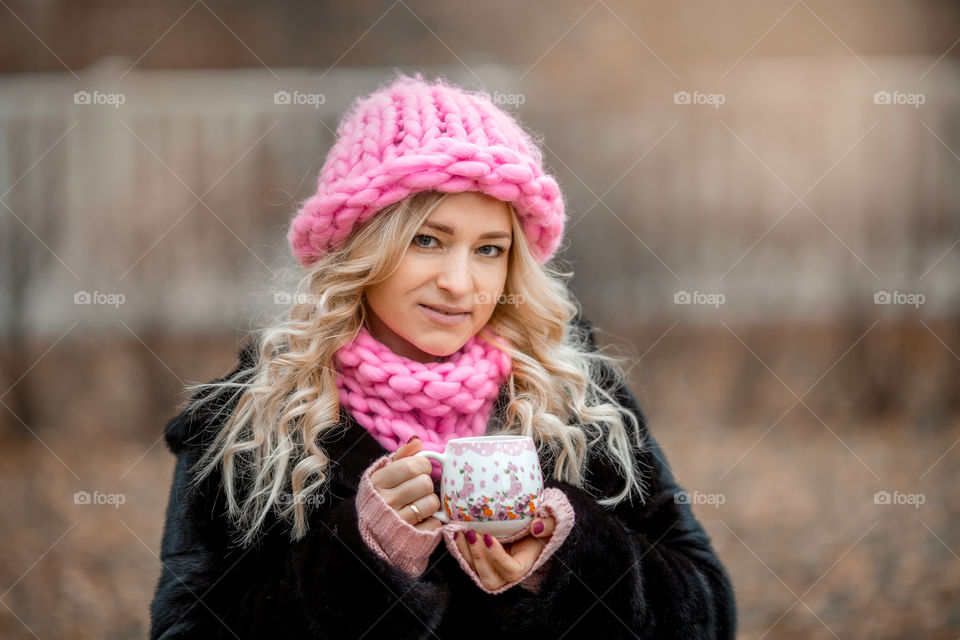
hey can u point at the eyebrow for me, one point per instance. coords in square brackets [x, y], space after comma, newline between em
[449, 231]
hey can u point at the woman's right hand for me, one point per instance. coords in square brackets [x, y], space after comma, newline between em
[406, 480]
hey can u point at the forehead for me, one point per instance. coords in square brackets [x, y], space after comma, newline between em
[471, 211]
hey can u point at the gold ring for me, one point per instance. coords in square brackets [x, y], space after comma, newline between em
[416, 511]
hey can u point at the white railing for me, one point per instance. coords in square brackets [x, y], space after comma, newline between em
[173, 189]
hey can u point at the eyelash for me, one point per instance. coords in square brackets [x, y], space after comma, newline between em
[424, 235]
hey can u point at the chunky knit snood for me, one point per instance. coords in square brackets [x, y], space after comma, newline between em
[396, 398]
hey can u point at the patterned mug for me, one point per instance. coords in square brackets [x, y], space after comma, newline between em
[492, 484]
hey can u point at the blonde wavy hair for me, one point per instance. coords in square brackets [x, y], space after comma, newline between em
[269, 447]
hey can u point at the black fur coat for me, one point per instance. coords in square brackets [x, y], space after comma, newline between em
[633, 571]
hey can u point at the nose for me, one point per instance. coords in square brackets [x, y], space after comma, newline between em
[455, 276]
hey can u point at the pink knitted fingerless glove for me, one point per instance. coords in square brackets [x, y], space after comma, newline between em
[386, 533]
[555, 504]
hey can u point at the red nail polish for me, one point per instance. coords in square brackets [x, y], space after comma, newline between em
[455, 534]
[487, 540]
[471, 536]
[538, 527]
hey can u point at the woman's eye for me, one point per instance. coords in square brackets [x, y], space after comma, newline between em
[500, 250]
[417, 237]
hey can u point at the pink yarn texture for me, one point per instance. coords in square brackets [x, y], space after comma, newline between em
[396, 398]
[415, 135]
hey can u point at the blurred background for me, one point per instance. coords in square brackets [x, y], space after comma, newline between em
[764, 213]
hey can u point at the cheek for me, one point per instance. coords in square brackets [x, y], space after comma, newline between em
[398, 292]
[405, 278]
[385, 297]
[492, 284]
[412, 272]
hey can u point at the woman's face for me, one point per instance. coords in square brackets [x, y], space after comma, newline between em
[458, 262]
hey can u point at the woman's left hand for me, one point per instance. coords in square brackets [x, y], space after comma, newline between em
[497, 564]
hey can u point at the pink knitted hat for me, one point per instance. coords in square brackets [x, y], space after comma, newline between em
[414, 136]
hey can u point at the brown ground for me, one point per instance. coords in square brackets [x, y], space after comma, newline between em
[798, 520]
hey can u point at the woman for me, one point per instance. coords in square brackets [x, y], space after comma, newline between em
[426, 312]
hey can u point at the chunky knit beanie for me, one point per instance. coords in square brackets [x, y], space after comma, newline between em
[414, 136]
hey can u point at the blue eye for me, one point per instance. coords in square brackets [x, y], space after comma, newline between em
[500, 250]
[422, 236]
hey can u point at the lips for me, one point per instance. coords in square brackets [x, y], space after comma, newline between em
[448, 320]
[447, 310]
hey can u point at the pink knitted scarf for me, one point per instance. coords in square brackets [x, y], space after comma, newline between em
[395, 398]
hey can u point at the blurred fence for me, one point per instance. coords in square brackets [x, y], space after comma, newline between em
[165, 195]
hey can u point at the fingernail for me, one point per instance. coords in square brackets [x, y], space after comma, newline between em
[455, 534]
[471, 536]
[488, 539]
[538, 527]
[411, 439]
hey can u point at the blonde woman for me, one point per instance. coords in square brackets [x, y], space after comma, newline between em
[426, 311]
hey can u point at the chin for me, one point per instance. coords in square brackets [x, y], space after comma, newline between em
[442, 350]
[442, 346]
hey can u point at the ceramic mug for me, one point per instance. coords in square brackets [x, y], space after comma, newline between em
[491, 484]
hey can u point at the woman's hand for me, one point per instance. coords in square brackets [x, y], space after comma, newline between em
[496, 563]
[405, 481]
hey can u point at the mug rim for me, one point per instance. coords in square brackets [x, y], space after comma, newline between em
[491, 438]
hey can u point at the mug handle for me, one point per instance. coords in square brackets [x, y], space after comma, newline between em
[441, 458]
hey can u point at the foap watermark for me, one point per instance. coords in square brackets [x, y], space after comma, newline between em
[684, 497]
[296, 97]
[899, 98]
[699, 297]
[885, 497]
[85, 497]
[899, 297]
[98, 297]
[506, 99]
[485, 297]
[287, 298]
[285, 499]
[698, 97]
[98, 98]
